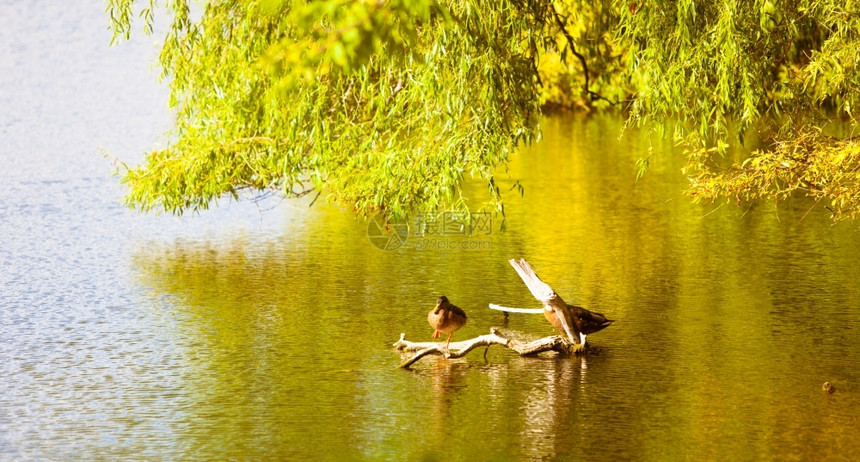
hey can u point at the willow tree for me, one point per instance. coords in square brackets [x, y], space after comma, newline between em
[784, 75]
[380, 106]
[388, 105]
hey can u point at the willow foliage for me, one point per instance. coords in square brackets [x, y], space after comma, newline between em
[388, 105]
[381, 106]
[782, 74]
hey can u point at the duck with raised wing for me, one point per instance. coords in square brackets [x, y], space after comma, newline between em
[574, 321]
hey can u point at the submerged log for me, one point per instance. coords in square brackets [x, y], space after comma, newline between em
[459, 349]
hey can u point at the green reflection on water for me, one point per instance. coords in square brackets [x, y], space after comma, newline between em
[728, 323]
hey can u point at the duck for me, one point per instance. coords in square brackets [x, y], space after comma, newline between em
[586, 322]
[446, 318]
[570, 320]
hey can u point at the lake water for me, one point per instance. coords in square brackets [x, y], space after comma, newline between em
[263, 330]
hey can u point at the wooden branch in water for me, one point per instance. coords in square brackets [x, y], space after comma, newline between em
[461, 348]
[508, 309]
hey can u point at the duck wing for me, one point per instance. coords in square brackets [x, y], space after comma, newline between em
[589, 322]
[544, 293]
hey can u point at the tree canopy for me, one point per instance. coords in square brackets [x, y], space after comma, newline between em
[386, 106]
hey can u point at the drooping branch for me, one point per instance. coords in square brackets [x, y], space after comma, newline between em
[461, 348]
[572, 47]
[562, 25]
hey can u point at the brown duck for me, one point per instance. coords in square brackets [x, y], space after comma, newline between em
[568, 319]
[446, 318]
[586, 322]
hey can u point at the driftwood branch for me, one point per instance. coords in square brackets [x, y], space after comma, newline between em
[508, 309]
[461, 348]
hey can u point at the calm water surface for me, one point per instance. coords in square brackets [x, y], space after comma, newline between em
[264, 331]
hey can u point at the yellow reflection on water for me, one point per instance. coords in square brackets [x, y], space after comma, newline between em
[727, 324]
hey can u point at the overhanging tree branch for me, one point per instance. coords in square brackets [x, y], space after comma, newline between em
[586, 90]
[572, 44]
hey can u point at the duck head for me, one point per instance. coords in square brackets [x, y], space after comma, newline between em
[441, 302]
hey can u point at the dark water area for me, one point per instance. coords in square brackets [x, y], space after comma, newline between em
[263, 330]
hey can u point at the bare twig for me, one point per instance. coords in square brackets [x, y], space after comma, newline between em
[507, 309]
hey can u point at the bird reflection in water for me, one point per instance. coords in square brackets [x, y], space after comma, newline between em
[554, 388]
